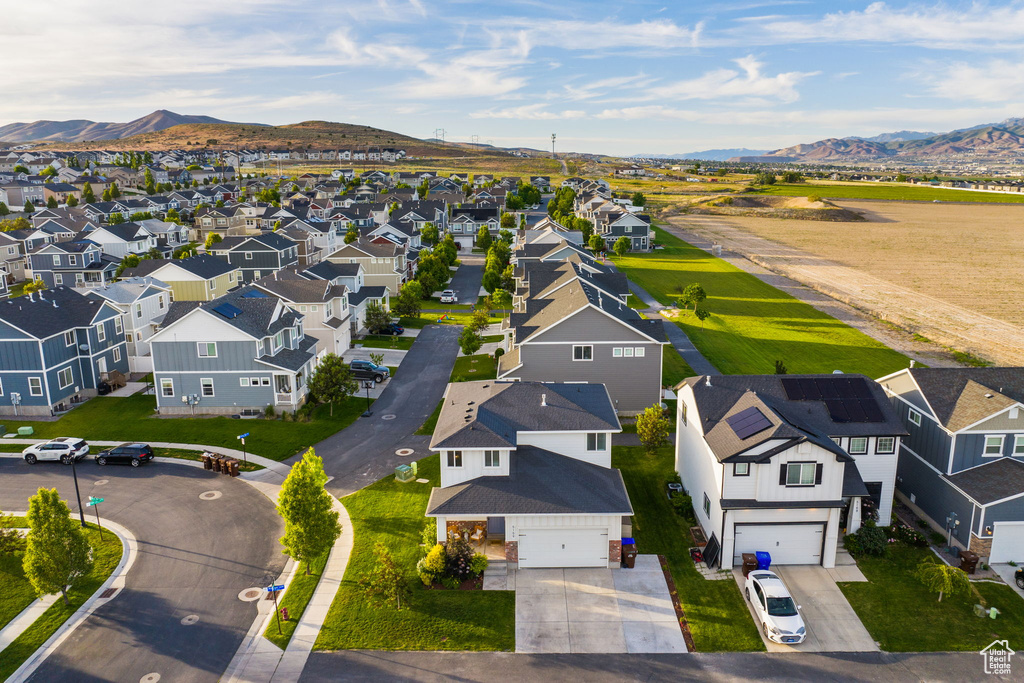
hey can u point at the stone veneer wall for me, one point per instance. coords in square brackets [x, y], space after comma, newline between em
[981, 546]
[512, 551]
[614, 551]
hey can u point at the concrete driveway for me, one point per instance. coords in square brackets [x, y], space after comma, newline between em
[596, 611]
[832, 625]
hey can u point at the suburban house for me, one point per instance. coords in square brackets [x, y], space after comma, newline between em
[143, 303]
[528, 465]
[785, 463]
[122, 239]
[77, 264]
[324, 307]
[635, 227]
[465, 222]
[383, 262]
[241, 352]
[257, 255]
[962, 465]
[196, 278]
[574, 331]
[57, 346]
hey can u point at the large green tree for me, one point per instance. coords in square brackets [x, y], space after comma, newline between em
[310, 522]
[57, 553]
[331, 381]
[29, 208]
[407, 304]
[483, 238]
[377, 317]
[652, 428]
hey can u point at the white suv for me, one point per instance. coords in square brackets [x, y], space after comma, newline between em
[448, 297]
[775, 609]
[63, 449]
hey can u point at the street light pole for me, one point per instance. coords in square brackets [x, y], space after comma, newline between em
[366, 385]
[74, 473]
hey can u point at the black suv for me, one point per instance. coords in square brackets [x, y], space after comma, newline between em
[133, 454]
[365, 369]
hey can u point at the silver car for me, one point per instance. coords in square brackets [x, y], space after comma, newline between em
[63, 449]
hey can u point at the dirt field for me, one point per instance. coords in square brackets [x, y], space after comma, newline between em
[950, 272]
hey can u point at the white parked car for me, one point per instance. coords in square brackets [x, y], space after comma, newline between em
[63, 449]
[774, 606]
[448, 297]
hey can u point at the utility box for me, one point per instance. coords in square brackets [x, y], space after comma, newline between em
[26, 431]
[404, 473]
[415, 469]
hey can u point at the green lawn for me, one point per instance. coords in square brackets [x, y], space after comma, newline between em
[903, 616]
[491, 338]
[912, 193]
[198, 456]
[471, 368]
[633, 301]
[435, 303]
[17, 289]
[753, 324]
[427, 428]
[392, 513]
[295, 599]
[380, 341]
[17, 593]
[457, 317]
[131, 418]
[718, 617]
[674, 369]
[106, 555]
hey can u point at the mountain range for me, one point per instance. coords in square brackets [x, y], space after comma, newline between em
[708, 154]
[82, 130]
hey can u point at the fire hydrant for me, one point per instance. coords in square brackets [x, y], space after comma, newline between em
[284, 613]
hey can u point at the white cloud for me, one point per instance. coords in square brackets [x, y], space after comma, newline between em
[601, 87]
[749, 82]
[991, 81]
[608, 35]
[528, 112]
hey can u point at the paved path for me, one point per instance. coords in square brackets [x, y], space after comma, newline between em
[680, 341]
[467, 279]
[195, 557]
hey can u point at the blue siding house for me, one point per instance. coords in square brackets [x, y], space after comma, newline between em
[55, 347]
[258, 255]
[74, 264]
[243, 351]
[963, 463]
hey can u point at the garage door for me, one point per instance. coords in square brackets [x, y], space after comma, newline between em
[787, 543]
[563, 548]
[1007, 542]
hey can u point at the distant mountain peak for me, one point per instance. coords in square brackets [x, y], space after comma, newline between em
[80, 130]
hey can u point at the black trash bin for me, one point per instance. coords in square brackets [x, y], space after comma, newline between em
[968, 561]
[749, 563]
[629, 555]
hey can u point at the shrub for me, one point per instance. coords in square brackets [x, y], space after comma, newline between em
[852, 544]
[429, 536]
[431, 568]
[813, 198]
[873, 539]
[450, 582]
[478, 564]
[459, 556]
[269, 412]
[683, 505]
[922, 524]
[904, 534]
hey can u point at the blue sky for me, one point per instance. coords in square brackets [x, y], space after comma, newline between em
[617, 78]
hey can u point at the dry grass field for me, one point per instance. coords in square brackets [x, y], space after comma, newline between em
[970, 255]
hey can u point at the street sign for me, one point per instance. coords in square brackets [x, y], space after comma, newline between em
[93, 501]
[274, 589]
[242, 436]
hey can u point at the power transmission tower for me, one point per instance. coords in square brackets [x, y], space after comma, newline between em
[439, 134]
[553, 156]
[475, 138]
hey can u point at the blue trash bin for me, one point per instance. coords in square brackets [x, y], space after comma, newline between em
[764, 560]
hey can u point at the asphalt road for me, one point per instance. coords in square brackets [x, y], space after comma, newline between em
[466, 281]
[365, 451]
[195, 557]
[480, 666]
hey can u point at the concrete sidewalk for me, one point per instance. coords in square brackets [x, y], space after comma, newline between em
[675, 334]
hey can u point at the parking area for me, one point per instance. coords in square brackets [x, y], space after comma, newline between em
[832, 625]
[596, 610]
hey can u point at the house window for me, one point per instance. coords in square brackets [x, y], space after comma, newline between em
[915, 417]
[35, 386]
[138, 310]
[160, 302]
[627, 352]
[166, 387]
[243, 381]
[741, 469]
[1, 388]
[117, 354]
[65, 378]
[265, 381]
[254, 381]
[248, 256]
[1018, 443]
[73, 260]
[69, 338]
[583, 353]
[56, 260]
[207, 385]
[994, 445]
[617, 352]
[278, 341]
[454, 458]
[207, 349]
[597, 441]
[639, 352]
[129, 337]
[885, 445]
[682, 412]
[801, 474]
[492, 459]
[58, 279]
[707, 505]
[118, 325]
[101, 332]
[858, 445]
[213, 284]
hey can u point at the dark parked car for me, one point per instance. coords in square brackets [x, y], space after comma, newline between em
[364, 369]
[1018, 576]
[133, 454]
[393, 328]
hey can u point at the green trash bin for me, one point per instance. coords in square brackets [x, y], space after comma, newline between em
[26, 431]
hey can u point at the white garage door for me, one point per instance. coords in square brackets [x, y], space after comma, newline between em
[787, 543]
[563, 548]
[1007, 542]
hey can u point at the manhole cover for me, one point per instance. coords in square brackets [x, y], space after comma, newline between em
[403, 452]
[109, 593]
[101, 482]
[250, 594]
[150, 678]
[210, 495]
[190, 619]
[388, 417]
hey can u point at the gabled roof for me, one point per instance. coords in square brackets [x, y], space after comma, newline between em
[41, 318]
[539, 482]
[377, 249]
[128, 290]
[996, 480]
[490, 413]
[256, 317]
[266, 240]
[205, 266]
[329, 270]
[963, 396]
[295, 289]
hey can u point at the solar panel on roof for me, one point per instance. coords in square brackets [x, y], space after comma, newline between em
[854, 410]
[792, 387]
[860, 388]
[871, 411]
[827, 388]
[254, 294]
[229, 311]
[837, 410]
[748, 422]
[809, 389]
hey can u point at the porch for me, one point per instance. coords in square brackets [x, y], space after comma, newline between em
[485, 536]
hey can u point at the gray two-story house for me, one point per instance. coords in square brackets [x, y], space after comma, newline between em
[962, 465]
[55, 347]
[258, 255]
[243, 351]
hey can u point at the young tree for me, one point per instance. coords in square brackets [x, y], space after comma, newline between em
[506, 236]
[17, 223]
[491, 280]
[310, 522]
[57, 553]
[483, 238]
[29, 208]
[72, 200]
[469, 341]
[20, 168]
[351, 235]
[386, 582]
[500, 298]
[693, 295]
[407, 304]
[702, 315]
[780, 368]
[652, 428]
[88, 196]
[331, 381]
[446, 251]
[212, 239]
[51, 203]
[941, 578]
[508, 221]
[429, 234]
[638, 199]
[479, 320]
[377, 317]
[596, 243]
[115, 191]
[622, 245]
[115, 218]
[150, 185]
[4, 210]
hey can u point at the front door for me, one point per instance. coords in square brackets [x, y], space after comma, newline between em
[101, 367]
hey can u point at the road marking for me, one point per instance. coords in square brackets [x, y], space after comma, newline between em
[210, 495]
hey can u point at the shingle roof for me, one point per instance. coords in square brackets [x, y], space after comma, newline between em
[490, 413]
[128, 290]
[329, 270]
[300, 290]
[257, 317]
[963, 396]
[364, 293]
[539, 482]
[992, 481]
[205, 266]
[40, 318]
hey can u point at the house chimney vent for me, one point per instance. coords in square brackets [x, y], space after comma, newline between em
[912, 362]
[707, 380]
[543, 399]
